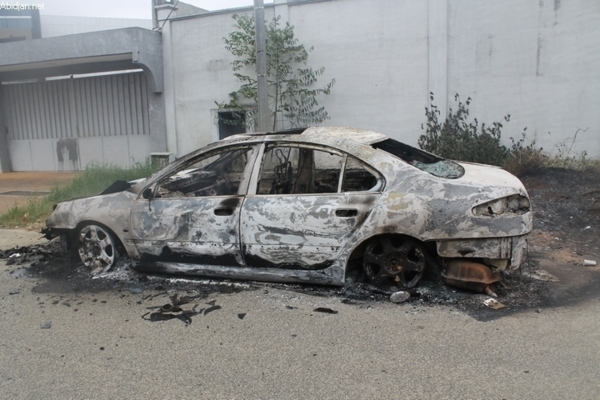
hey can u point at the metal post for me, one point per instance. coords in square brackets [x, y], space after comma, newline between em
[261, 67]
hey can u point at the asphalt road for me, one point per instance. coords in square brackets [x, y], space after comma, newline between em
[98, 346]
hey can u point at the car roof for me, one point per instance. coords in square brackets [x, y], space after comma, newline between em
[321, 133]
[356, 135]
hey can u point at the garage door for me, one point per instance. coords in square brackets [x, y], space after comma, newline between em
[66, 124]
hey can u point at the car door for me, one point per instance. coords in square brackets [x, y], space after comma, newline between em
[301, 213]
[193, 214]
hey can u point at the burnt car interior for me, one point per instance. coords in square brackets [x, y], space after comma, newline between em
[304, 170]
[211, 175]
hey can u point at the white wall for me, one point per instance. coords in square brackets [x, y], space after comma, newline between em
[41, 155]
[202, 75]
[57, 25]
[539, 61]
[377, 52]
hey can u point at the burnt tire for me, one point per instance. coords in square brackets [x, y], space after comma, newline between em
[97, 248]
[394, 260]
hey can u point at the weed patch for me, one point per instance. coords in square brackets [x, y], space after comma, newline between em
[92, 180]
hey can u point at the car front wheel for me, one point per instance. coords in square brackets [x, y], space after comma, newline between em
[97, 248]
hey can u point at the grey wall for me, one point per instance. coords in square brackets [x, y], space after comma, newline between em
[5, 164]
[60, 25]
[538, 61]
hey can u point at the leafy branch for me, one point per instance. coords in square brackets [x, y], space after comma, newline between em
[290, 81]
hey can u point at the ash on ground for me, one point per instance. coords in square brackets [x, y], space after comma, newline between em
[62, 273]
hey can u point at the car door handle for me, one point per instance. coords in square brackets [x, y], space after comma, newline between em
[223, 212]
[346, 213]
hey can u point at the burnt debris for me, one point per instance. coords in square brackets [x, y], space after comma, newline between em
[325, 310]
[174, 310]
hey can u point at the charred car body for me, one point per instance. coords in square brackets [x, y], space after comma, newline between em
[299, 206]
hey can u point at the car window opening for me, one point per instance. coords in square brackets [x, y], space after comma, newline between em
[422, 160]
[212, 175]
[300, 170]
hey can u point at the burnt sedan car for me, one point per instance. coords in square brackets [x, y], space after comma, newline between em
[301, 206]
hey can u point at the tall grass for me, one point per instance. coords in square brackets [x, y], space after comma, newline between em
[525, 158]
[92, 180]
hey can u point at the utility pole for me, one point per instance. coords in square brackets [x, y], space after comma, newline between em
[261, 67]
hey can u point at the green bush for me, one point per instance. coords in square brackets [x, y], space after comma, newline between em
[563, 156]
[458, 138]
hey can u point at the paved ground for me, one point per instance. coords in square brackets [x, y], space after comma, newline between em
[58, 341]
[27, 182]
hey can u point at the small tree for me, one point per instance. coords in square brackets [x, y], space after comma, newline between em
[290, 81]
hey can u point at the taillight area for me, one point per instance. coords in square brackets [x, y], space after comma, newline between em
[511, 205]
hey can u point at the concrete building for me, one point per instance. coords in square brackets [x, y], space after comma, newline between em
[76, 95]
[65, 124]
[538, 61]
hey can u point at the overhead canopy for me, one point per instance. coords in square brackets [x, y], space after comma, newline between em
[103, 51]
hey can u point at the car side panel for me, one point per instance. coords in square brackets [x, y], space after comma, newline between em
[190, 230]
[301, 231]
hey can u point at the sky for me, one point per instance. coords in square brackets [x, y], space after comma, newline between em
[122, 8]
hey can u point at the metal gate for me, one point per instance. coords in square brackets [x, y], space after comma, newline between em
[62, 112]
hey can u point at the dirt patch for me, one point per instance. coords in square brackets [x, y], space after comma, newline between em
[566, 207]
[28, 183]
[8, 202]
[566, 230]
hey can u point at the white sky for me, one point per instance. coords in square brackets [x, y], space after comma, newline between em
[122, 8]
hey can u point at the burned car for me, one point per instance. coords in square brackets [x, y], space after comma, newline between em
[302, 206]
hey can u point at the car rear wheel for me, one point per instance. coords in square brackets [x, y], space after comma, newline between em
[394, 260]
[97, 248]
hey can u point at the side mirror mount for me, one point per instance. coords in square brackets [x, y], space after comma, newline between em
[147, 193]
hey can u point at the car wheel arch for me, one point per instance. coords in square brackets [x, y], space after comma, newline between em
[81, 224]
[358, 250]
[357, 254]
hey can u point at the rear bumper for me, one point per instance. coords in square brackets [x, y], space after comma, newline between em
[503, 253]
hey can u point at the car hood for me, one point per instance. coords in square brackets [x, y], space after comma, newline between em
[111, 209]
